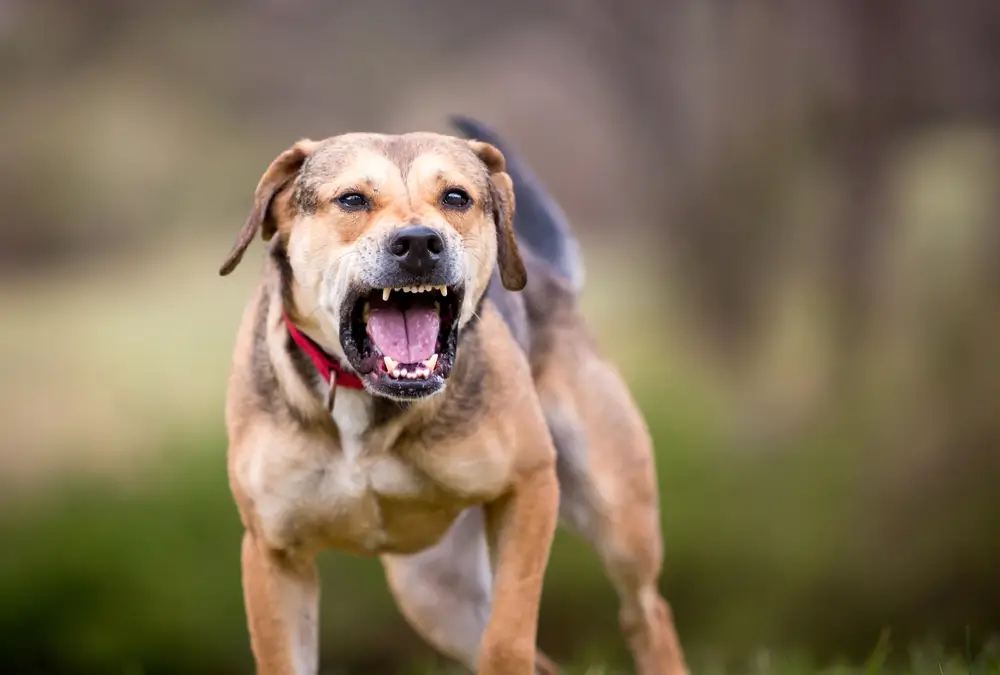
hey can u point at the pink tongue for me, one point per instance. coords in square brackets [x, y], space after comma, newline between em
[407, 337]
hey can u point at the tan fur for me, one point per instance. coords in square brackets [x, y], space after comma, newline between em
[464, 480]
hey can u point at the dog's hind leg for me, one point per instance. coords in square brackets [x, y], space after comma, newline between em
[609, 496]
[445, 594]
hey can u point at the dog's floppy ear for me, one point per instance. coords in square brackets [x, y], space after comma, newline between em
[279, 174]
[512, 272]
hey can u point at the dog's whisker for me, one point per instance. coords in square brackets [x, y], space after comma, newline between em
[476, 256]
[344, 255]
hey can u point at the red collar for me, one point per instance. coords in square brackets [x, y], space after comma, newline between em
[327, 365]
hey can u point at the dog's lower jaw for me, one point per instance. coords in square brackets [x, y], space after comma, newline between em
[424, 394]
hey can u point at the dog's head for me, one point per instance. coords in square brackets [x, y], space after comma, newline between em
[390, 243]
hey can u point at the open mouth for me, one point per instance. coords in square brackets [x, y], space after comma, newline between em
[403, 339]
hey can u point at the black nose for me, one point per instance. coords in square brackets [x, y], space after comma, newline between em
[417, 248]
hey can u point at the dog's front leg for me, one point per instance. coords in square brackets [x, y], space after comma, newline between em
[281, 592]
[520, 527]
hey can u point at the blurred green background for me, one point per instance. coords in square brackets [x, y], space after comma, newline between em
[790, 219]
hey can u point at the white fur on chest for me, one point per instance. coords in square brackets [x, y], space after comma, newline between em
[352, 413]
[357, 490]
[306, 486]
[371, 456]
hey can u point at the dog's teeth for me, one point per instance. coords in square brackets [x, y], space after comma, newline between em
[401, 372]
[390, 364]
[412, 375]
[430, 363]
[437, 307]
[443, 290]
[395, 372]
[365, 312]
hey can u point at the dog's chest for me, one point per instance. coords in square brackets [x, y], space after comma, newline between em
[362, 496]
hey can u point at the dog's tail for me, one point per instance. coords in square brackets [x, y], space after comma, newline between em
[538, 220]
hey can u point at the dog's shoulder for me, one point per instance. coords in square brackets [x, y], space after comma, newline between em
[255, 390]
[246, 368]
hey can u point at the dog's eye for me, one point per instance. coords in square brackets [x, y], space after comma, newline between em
[456, 198]
[353, 201]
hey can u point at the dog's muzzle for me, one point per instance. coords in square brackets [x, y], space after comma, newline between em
[399, 327]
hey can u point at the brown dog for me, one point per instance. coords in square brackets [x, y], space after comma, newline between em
[391, 395]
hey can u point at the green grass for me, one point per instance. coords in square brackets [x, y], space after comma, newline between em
[884, 660]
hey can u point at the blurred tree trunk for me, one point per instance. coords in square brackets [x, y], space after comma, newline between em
[906, 64]
[875, 69]
[699, 215]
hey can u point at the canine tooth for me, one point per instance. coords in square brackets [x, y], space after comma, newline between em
[443, 289]
[365, 312]
[431, 362]
[385, 293]
[437, 306]
[390, 364]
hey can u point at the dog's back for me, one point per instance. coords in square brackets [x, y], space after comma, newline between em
[551, 253]
[540, 224]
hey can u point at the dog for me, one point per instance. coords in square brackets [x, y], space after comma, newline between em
[413, 379]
